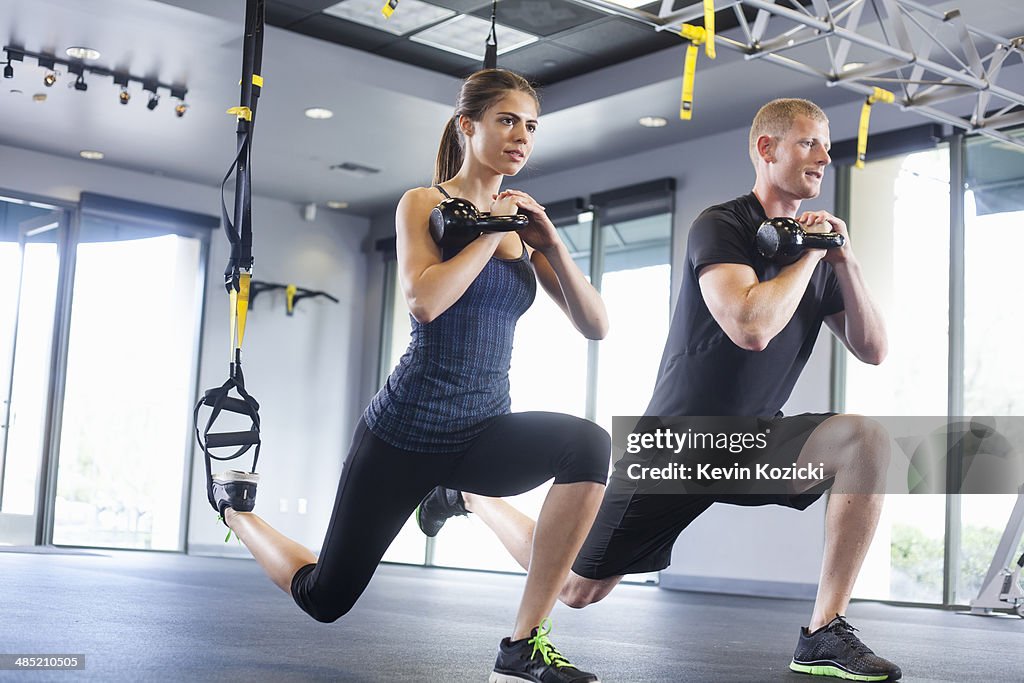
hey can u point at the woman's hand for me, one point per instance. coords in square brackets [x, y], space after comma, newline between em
[540, 233]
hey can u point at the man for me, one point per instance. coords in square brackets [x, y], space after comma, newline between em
[741, 334]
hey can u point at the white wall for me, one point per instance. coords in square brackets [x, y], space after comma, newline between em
[303, 370]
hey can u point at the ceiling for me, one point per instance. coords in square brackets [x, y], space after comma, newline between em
[390, 101]
[569, 39]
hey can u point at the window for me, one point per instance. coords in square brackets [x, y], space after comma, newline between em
[993, 327]
[31, 236]
[125, 431]
[899, 219]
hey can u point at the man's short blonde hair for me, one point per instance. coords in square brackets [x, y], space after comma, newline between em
[777, 117]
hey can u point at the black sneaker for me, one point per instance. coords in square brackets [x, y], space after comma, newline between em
[235, 490]
[834, 650]
[535, 659]
[436, 507]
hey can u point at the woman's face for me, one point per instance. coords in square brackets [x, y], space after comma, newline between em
[503, 137]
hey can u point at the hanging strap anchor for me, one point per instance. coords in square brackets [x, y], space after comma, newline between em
[697, 35]
[879, 95]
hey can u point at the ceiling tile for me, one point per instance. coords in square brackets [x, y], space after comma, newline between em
[428, 57]
[284, 15]
[463, 6]
[541, 17]
[616, 39]
[309, 5]
[344, 32]
[545, 62]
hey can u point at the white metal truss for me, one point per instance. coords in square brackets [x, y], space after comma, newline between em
[925, 57]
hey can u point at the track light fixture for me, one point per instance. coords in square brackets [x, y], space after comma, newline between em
[51, 71]
[78, 70]
[124, 97]
[154, 99]
[75, 66]
[13, 55]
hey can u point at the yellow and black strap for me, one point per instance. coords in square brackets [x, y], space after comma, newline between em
[238, 272]
[879, 95]
[697, 35]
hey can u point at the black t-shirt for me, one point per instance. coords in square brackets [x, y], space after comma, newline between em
[702, 371]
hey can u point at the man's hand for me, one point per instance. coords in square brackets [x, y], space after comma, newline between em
[823, 221]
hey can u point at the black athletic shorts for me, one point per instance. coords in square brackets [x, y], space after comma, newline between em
[634, 532]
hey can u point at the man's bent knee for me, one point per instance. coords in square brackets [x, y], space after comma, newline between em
[855, 438]
[578, 591]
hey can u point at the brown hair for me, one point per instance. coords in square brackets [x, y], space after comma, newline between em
[480, 91]
[777, 117]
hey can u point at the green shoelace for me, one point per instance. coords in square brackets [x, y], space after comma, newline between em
[220, 518]
[542, 644]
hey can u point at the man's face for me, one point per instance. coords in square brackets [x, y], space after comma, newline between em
[800, 158]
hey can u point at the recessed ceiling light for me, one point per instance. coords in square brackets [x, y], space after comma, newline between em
[91, 154]
[337, 205]
[465, 35]
[413, 15]
[653, 121]
[39, 97]
[84, 53]
[319, 113]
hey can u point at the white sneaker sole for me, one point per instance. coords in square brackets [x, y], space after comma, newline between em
[236, 475]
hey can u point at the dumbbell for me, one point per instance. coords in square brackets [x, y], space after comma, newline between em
[454, 223]
[783, 240]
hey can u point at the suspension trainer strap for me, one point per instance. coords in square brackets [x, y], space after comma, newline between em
[238, 272]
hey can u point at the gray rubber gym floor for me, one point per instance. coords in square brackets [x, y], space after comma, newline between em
[167, 617]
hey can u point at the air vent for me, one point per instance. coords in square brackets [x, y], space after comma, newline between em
[357, 170]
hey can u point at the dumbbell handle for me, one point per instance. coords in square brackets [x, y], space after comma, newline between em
[489, 223]
[823, 240]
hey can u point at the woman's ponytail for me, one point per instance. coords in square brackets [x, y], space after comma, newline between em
[449, 153]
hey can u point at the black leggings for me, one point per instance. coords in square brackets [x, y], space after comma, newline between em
[381, 485]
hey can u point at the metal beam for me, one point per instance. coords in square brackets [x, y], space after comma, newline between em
[843, 20]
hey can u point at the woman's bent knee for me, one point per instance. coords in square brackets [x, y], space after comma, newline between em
[324, 608]
[327, 614]
[585, 455]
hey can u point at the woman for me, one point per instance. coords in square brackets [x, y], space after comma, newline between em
[442, 418]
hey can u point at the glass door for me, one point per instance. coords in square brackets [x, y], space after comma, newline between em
[993, 365]
[29, 273]
[125, 429]
[893, 201]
